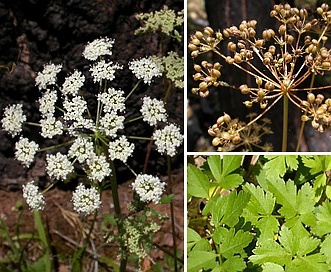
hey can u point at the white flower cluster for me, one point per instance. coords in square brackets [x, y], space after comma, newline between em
[47, 103]
[145, 68]
[33, 198]
[104, 70]
[58, 166]
[86, 200]
[13, 119]
[120, 149]
[99, 168]
[148, 188]
[82, 149]
[50, 127]
[73, 83]
[112, 100]
[97, 48]
[25, 151]
[168, 139]
[153, 111]
[48, 75]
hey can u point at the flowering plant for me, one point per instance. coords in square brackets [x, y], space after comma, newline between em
[94, 137]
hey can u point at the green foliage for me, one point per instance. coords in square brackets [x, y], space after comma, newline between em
[270, 221]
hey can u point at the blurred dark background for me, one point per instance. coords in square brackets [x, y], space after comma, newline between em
[35, 32]
[203, 112]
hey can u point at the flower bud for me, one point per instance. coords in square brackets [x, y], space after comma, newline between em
[236, 139]
[258, 81]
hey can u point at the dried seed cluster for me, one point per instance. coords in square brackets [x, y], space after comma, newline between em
[280, 60]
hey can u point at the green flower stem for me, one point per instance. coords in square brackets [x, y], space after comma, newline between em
[285, 123]
[134, 88]
[32, 124]
[134, 119]
[172, 213]
[119, 222]
[55, 146]
[44, 241]
[140, 138]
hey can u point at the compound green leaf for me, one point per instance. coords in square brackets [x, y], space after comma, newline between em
[270, 251]
[285, 194]
[272, 267]
[198, 184]
[311, 263]
[201, 260]
[323, 224]
[223, 170]
[261, 202]
[195, 242]
[326, 248]
[232, 242]
[233, 264]
[278, 165]
[227, 209]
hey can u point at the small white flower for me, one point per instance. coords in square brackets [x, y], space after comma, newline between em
[112, 100]
[73, 83]
[102, 70]
[25, 151]
[145, 68]
[50, 127]
[82, 148]
[47, 103]
[74, 108]
[99, 168]
[153, 111]
[120, 149]
[13, 119]
[86, 200]
[97, 48]
[48, 75]
[33, 198]
[110, 123]
[148, 188]
[58, 166]
[168, 139]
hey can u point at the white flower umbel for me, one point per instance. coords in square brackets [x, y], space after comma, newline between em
[50, 127]
[74, 108]
[86, 200]
[73, 83]
[153, 111]
[13, 119]
[104, 70]
[112, 100]
[58, 166]
[110, 123]
[99, 168]
[33, 198]
[82, 148]
[25, 151]
[148, 188]
[120, 149]
[97, 48]
[47, 103]
[48, 75]
[145, 68]
[168, 139]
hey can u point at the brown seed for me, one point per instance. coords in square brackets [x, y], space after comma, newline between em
[216, 141]
[311, 98]
[192, 47]
[199, 35]
[244, 89]
[197, 67]
[227, 118]
[304, 118]
[203, 86]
